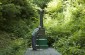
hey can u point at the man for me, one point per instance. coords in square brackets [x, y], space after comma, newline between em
[34, 35]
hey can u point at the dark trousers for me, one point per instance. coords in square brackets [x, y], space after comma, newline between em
[34, 42]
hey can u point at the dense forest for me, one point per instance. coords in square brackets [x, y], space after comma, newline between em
[64, 22]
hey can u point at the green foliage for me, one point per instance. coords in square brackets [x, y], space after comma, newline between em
[17, 18]
[41, 3]
[65, 22]
[54, 5]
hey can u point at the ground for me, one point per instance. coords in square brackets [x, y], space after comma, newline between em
[49, 51]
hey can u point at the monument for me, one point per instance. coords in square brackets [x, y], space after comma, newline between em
[39, 40]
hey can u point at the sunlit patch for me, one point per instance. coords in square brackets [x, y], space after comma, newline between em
[54, 5]
[67, 14]
[50, 22]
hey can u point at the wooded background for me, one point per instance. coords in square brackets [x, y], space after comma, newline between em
[64, 22]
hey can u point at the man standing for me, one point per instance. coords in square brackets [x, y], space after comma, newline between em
[34, 35]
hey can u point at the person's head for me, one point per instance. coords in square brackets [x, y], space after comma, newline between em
[39, 27]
